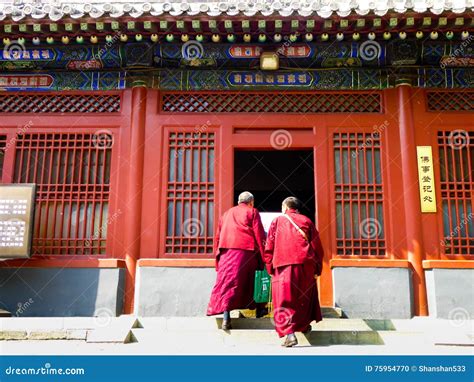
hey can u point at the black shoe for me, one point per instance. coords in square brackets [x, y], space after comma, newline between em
[261, 312]
[226, 325]
[307, 330]
[290, 341]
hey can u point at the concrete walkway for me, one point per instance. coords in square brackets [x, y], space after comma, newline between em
[192, 348]
[201, 335]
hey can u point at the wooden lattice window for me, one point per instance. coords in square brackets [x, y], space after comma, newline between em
[456, 161]
[190, 193]
[60, 103]
[450, 101]
[265, 102]
[72, 174]
[3, 144]
[358, 194]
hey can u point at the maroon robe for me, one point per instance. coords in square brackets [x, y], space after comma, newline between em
[234, 283]
[294, 261]
[239, 245]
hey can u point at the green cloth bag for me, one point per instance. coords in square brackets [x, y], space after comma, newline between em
[262, 287]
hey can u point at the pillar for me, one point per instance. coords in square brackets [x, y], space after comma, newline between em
[134, 193]
[414, 234]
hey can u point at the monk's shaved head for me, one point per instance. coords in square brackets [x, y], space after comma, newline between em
[292, 203]
[246, 197]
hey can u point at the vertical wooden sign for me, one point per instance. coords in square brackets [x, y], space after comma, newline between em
[426, 178]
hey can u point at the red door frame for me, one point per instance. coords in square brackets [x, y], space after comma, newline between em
[318, 136]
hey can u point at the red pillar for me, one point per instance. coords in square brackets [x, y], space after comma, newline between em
[134, 194]
[414, 234]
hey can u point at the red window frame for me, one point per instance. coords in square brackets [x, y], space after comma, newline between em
[72, 123]
[187, 240]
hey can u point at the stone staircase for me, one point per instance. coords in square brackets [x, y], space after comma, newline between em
[331, 331]
[185, 335]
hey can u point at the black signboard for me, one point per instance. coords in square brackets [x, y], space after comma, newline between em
[17, 202]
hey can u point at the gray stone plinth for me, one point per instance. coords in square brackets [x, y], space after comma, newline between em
[373, 293]
[64, 292]
[173, 291]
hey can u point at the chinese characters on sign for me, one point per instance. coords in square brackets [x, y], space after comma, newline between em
[264, 79]
[426, 179]
[254, 51]
[245, 51]
[16, 220]
[295, 51]
[24, 81]
[26, 55]
[80, 65]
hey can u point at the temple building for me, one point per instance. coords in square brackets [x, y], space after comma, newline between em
[141, 122]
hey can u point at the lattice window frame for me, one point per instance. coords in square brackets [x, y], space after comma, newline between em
[271, 102]
[71, 196]
[193, 237]
[453, 192]
[450, 101]
[61, 103]
[368, 236]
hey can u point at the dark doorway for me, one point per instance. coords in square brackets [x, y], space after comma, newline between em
[271, 176]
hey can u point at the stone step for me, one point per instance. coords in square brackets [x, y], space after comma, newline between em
[185, 324]
[327, 312]
[116, 331]
[5, 313]
[330, 331]
[332, 312]
[195, 331]
[53, 335]
[52, 323]
[257, 336]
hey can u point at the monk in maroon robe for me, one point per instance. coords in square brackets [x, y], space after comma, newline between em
[239, 246]
[293, 256]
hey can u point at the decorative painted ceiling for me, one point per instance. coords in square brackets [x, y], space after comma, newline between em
[204, 45]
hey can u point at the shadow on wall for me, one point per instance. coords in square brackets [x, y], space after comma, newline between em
[62, 292]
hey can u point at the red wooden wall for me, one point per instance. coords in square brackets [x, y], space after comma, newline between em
[206, 127]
